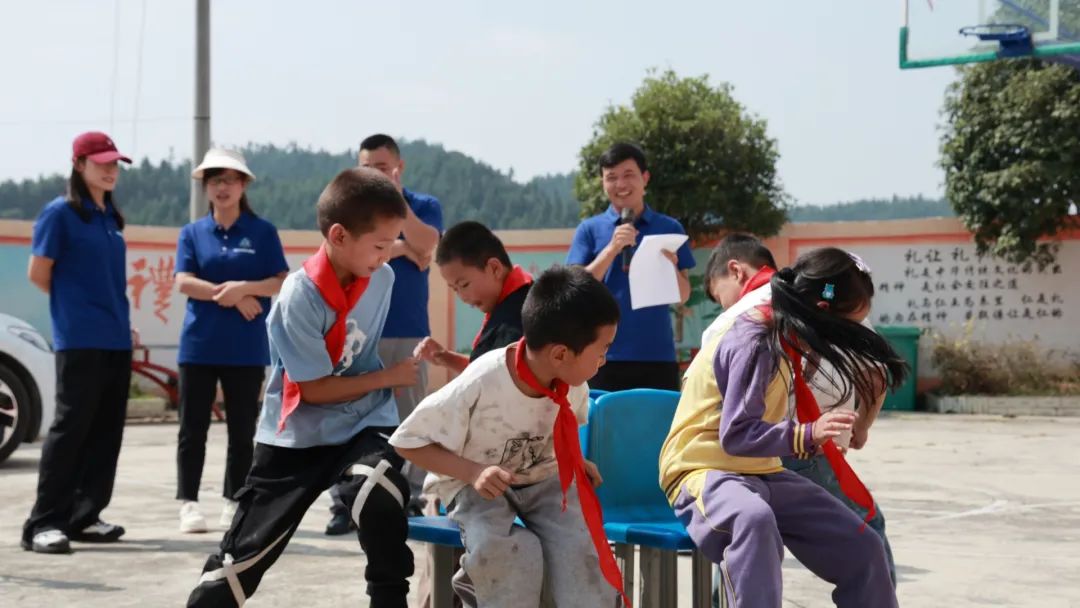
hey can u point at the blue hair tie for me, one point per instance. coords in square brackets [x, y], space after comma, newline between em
[829, 292]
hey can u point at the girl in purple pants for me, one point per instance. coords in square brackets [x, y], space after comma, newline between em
[720, 465]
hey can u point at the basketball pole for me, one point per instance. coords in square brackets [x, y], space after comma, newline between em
[197, 202]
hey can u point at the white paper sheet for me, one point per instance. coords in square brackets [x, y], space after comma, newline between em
[653, 278]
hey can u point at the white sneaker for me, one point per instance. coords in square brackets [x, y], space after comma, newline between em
[227, 513]
[49, 541]
[191, 519]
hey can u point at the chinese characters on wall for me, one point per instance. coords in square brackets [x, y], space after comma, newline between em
[941, 285]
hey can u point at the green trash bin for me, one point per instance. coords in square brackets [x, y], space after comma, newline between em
[905, 340]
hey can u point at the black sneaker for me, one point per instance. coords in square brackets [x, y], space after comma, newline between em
[340, 523]
[48, 541]
[99, 532]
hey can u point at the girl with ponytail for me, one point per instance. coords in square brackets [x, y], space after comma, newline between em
[720, 465]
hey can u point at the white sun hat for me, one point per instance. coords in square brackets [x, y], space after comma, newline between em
[220, 158]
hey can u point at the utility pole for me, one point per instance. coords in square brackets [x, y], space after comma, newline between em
[197, 203]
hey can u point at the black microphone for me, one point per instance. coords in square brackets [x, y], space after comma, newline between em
[626, 216]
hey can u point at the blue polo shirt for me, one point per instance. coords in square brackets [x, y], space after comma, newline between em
[88, 295]
[298, 325]
[409, 301]
[644, 334]
[249, 250]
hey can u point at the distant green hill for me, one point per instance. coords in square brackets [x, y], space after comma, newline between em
[895, 208]
[291, 178]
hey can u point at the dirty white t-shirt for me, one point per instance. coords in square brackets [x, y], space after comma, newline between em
[482, 416]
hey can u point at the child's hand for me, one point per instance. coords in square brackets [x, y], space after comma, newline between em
[492, 481]
[832, 424]
[429, 350]
[593, 473]
[404, 373]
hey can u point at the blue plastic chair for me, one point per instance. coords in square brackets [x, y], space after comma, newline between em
[626, 431]
[445, 539]
[583, 430]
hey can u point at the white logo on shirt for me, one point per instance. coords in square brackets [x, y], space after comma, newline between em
[355, 338]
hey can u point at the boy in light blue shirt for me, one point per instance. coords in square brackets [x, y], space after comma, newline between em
[329, 406]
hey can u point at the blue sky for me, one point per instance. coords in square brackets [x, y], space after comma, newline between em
[517, 85]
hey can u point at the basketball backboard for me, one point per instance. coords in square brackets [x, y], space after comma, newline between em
[953, 32]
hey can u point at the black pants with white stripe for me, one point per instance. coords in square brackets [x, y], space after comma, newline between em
[282, 485]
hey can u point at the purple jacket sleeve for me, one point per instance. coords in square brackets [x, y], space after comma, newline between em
[743, 373]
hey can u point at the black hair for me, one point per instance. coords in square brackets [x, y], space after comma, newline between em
[740, 247]
[567, 305]
[356, 199]
[472, 244]
[77, 191]
[620, 152]
[379, 140]
[209, 174]
[830, 275]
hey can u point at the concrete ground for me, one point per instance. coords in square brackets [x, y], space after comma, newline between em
[982, 511]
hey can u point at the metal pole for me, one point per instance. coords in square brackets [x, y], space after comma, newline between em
[197, 203]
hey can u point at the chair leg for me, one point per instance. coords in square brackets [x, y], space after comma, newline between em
[650, 578]
[442, 589]
[701, 576]
[624, 555]
[659, 578]
[669, 578]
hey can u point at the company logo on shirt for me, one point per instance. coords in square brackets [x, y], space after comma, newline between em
[244, 246]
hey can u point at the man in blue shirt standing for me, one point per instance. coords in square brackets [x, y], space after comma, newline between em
[643, 354]
[407, 322]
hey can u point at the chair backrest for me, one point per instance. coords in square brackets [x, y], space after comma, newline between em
[626, 431]
[595, 393]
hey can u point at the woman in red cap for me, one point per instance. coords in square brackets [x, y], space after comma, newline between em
[78, 258]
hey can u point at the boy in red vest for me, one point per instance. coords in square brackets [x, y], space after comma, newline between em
[329, 404]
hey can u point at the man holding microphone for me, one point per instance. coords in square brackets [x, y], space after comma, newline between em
[643, 354]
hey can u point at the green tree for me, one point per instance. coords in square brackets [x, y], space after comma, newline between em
[712, 164]
[1011, 155]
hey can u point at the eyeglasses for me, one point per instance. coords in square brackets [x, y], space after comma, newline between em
[224, 180]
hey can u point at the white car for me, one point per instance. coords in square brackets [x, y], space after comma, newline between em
[27, 384]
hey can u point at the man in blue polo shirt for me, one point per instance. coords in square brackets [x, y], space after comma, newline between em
[643, 354]
[407, 321]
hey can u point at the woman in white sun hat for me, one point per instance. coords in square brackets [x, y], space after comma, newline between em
[228, 264]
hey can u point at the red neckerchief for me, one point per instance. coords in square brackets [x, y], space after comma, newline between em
[341, 300]
[517, 279]
[572, 467]
[806, 406]
[760, 279]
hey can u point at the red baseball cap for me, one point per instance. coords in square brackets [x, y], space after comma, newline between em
[98, 147]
